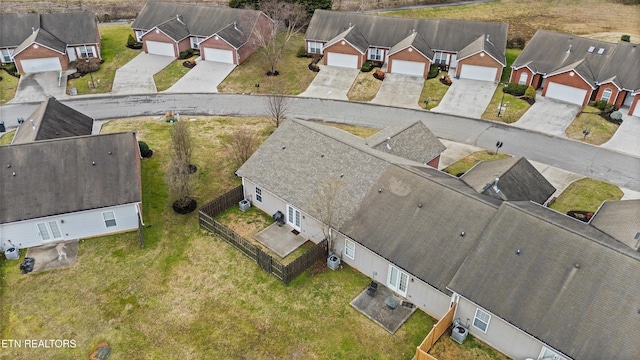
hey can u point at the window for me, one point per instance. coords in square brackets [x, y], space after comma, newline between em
[49, 230]
[139, 35]
[375, 54]
[86, 51]
[440, 58]
[523, 78]
[109, 218]
[398, 281]
[6, 55]
[591, 48]
[606, 95]
[258, 195]
[350, 248]
[549, 354]
[481, 320]
[195, 42]
[315, 47]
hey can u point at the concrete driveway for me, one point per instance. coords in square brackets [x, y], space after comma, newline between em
[466, 97]
[332, 82]
[204, 78]
[35, 87]
[136, 76]
[548, 116]
[400, 90]
[626, 137]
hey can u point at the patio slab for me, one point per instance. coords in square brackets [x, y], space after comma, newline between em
[54, 256]
[375, 308]
[280, 239]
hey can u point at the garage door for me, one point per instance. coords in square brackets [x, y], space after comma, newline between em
[40, 65]
[565, 93]
[160, 48]
[475, 72]
[342, 60]
[407, 67]
[219, 55]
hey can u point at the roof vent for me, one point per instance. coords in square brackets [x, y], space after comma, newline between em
[33, 125]
[33, 29]
[600, 51]
[388, 143]
[569, 49]
[495, 185]
[591, 48]
[235, 26]
[488, 39]
[179, 18]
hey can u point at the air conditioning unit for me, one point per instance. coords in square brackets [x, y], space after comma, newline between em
[244, 205]
[459, 333]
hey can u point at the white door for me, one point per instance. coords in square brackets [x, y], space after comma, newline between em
[293, 217]
[454, 61]
[398, 280]
[342, 60]
[475, 72]
[636, 111]
[40, 65]
[565, 93]
[71, 52]
[219, 55]
[160, 48]
[49, 231]
[628, 99]
[414, 68]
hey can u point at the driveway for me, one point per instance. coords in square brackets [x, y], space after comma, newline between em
[548, 116]
[466, 97]
[400, 90]
[204, 78]
[626, 137]
[36, 87]
[136, 76]
[332, 82]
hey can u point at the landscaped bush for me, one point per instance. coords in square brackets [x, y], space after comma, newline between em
[378, 74]
[530, 93]
[145, 152]
[445, 79]
[314, 67]
[626, 38]
[11, 69]
[603, 105]
[85, 67]
[616, 115]
[516, 42]
[185, 54]
[302, 52]
[515, 89]
[132, 43]
[367, 66]
[433, 71]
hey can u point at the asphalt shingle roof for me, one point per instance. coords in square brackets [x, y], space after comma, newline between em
[417, 41]
[413, 141]
[620, 220]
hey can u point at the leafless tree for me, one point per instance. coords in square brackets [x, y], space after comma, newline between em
[242, 144]
[328, 205]
[180, 183]
[286, 17]
[182, 145]
[278, 106]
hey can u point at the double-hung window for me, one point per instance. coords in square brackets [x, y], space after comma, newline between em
[606, 95]
[440, 58]
[375, 54]
[350, 248]
[481, 320]
[86, 51]
[109, 218]
[6, 55]
[195, 42]
[258, 195]
[315, 47]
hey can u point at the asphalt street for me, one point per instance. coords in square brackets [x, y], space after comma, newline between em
[592, 161]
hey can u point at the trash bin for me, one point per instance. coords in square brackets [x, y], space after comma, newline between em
[2, 128]
[12, 253]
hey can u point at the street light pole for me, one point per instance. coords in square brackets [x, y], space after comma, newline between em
[93, 85]
[502, 101]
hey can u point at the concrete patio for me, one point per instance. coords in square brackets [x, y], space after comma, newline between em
[54, 256]
[282, 240]
[375, 308]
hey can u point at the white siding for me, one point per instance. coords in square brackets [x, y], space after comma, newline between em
[24, 234]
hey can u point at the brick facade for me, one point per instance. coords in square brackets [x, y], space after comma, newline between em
[184, 44]
[515, 76]
[617, 96]
[35, 51]
[345, 48]
[481, 59]
[410, 54]
[217, 42]
[575, 81]
[435, 162]
[263, 26]
[157, 35]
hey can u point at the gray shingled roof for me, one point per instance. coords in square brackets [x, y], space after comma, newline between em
[620, 220]
[200, 20]
[44, 38]
[57, 176]
[518, 180]
[14, 28]
[586, 312]
[486, 45]
[53, 120]
[384, 31]
[413, 141]
[623, 67]
[354, 37]
[417, 41]
[175, 29]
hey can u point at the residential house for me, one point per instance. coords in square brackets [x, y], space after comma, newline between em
[408, 46]
[221, 34]
[529, 281]
[619, 219]
[48, 42]
[69, 188]
[576, 70]
[53, 120]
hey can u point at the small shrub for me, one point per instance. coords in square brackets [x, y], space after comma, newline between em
[185, 54]
[302, 52]
[530, 93]
[626, 38]
[515, 89]
[378, 74]
[11, 69]
[609, 108]
[85, 67]
[603, 106]
[131, 40]
[314, 67]
[367, 66]
[616, 115]
[445, 79]
[433, 71]
[145, 152]
[516, 42]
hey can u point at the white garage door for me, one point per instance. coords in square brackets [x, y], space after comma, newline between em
[219, 55]
[160, 48]
[475, 72]
[407, 67]
[40, 65]
[565, 93]
[342, 60]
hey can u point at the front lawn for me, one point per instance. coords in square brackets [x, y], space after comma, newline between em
[294, 76]
[365, 87]
[600, 130]
[586, 195]
[114, 53]
[433, 90]
[168, 76]
[8, 87]
[514, 107]
[511, 56]
[360, 131]
[6, 138]
[463, 165]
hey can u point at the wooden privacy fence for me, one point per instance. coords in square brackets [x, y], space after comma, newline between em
[438, 329]
[284, 273]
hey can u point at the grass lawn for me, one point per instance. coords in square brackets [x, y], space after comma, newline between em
[511, 56]
[187, 294]
[514, 107]
[360, 131]
[600, 130]
[365, 87]
[463, 165]
[294, 76]
[525, 17]
[433, 90]
[7, 137]
[8, 87]
[471, 349]
[114, 53]
[586, 195]
[172, 73]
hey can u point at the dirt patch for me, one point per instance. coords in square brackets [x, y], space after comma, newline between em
[613, 37]
[471, 349]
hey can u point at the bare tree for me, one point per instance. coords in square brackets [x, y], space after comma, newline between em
[285, 16]
[278, 106]
[180, 183]
[328, 204]
[182, 145]
[242, 144]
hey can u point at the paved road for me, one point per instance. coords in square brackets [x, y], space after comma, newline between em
[600, 163]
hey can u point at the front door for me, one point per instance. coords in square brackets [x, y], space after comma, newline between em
[398, 280]
[49, 231]
[293, 217]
